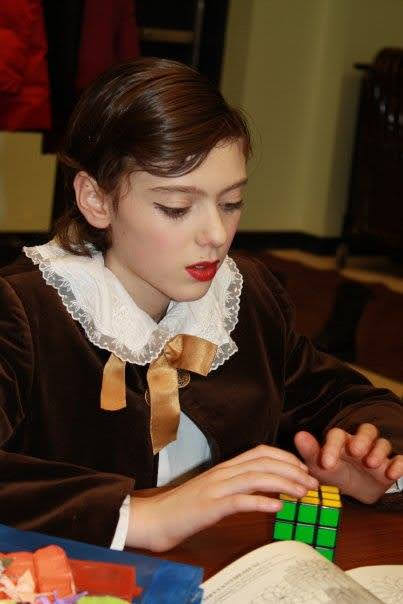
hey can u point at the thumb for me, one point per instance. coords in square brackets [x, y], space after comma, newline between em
[308, 447]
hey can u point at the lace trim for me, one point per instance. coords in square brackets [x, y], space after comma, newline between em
[232, 304]
[160, 335]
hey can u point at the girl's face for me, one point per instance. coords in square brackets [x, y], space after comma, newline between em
[164, 225]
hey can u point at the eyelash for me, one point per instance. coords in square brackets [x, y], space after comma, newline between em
[177, 213]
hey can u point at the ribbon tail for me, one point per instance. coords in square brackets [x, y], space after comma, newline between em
[113, 391]
[164, 403]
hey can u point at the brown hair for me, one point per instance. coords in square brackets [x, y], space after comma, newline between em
[150, 114]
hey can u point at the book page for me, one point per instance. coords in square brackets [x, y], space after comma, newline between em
[385, 581]
[288, 572]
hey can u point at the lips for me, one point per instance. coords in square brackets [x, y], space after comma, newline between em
[203, 271]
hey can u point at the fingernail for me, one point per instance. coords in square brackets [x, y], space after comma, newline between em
[301, 491]
[328, 460]
[313, 482]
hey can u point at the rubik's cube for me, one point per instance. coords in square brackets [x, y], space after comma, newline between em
[313, 519]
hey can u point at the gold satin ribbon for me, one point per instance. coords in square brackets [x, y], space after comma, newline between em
[182, 352]
[113, 391]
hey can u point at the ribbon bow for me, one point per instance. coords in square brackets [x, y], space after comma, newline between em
[182, 352]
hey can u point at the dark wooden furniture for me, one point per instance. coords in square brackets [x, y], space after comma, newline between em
[368, 535]
[190, 31]
[374, 216]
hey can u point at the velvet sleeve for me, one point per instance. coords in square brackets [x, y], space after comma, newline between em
[320, 392]
[40, 494]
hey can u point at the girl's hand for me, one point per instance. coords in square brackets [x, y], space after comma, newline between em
[358, 464]
[161, 521]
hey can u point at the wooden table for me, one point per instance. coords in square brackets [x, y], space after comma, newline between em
[368, 535]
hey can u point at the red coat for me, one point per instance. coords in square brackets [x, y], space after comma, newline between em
[24, 82]
[108, 35]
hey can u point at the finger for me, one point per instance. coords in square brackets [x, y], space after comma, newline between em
[332, 449]
[240, 502]
[395, 469]
[234, 503]
[265, 451]
[250, 482]
[378, 453]
[267, 465]
[362, 442]
[308, 447]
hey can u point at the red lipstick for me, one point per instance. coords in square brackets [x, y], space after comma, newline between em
[203, 271]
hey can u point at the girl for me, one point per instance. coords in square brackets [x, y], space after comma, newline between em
[134, 352]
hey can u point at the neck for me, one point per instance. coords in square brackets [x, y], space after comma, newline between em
[157, 317]
[146, 297]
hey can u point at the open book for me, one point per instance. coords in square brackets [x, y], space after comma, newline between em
[291, 572]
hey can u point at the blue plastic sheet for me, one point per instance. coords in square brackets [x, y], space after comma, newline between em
[163, 581]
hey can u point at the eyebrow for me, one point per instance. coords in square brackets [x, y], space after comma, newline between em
[196, 190]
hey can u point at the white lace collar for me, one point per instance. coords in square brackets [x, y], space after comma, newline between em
[94, 296]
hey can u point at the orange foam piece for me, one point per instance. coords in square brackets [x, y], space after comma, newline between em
[53, 572]
[105, 578]
[21, 562]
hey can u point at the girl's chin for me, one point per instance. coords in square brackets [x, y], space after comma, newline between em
[197, 291]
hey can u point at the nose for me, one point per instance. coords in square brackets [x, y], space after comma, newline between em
[212, 230]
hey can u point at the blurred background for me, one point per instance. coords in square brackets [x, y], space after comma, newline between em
[304, 71]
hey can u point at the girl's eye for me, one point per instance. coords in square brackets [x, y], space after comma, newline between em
[174, 213]
[232, 207]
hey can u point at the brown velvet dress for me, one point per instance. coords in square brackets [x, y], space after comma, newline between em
[66, 464]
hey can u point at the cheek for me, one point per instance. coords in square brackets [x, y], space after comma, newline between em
[153, 244]
[167, 236]
[232, 227]
[235, 224]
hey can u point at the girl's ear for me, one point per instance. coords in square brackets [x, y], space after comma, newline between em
[91, 201]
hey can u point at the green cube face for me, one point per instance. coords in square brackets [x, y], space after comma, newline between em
[313, 519]
[288, 511]
[327, 553]
[283, 531]
[308, 513]
[304, 532]
[326, 537]
[329, 517]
